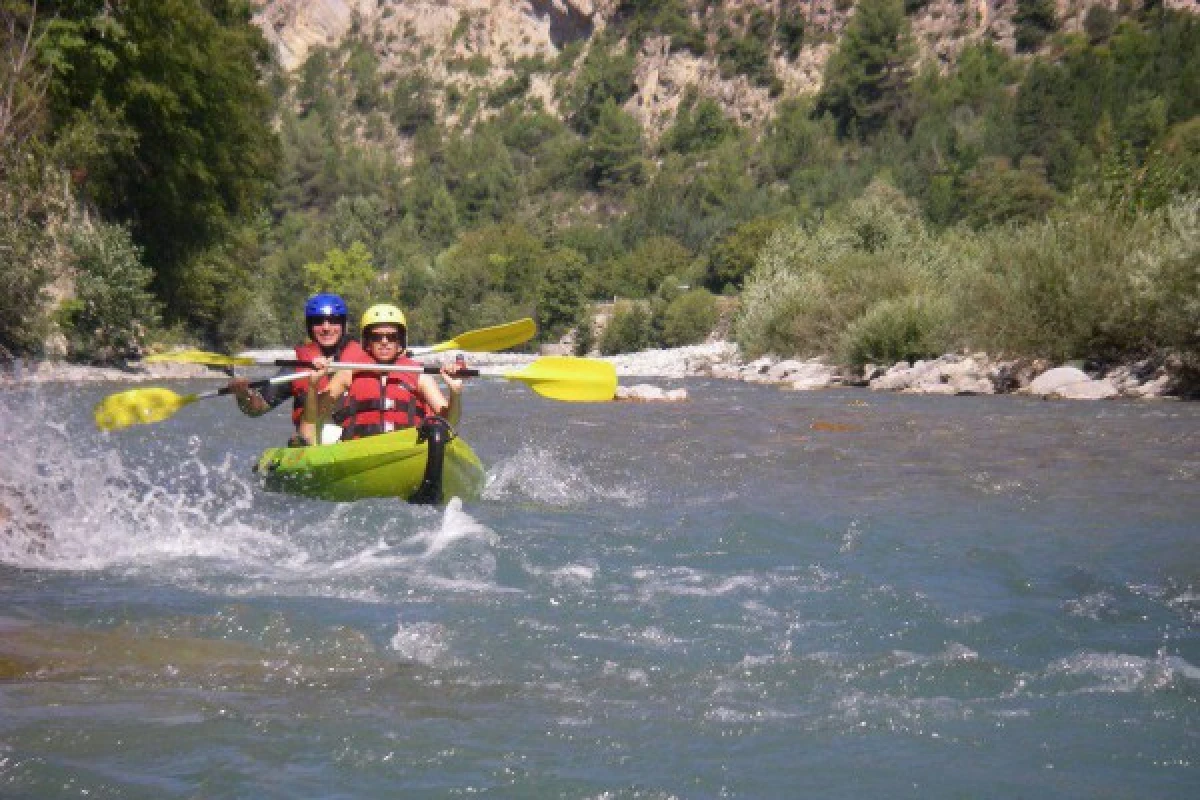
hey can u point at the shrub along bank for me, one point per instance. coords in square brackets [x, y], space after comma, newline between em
[873, 284]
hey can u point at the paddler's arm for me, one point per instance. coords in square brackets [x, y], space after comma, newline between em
[318, 405]
[256, 402]
[449, 409]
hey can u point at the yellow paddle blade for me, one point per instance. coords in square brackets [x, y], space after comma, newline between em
[138, 407]
[572, 380]
[489, 340]
[201, 357]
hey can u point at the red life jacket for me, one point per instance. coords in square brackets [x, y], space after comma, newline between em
[379, 402]
[348, 351]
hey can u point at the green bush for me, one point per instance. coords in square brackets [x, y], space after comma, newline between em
[1089, 283]
[26, 251]
[112, 308]
[628, 331]
[689, 318]
[895, 329]
[810, 284]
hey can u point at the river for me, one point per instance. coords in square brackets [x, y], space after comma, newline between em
[753, 594]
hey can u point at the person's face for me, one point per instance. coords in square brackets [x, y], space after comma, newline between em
[383, 342]
[327, 331]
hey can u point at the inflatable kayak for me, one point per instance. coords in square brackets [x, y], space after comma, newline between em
[427, 465]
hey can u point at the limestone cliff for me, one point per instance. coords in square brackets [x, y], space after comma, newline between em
[468, 45]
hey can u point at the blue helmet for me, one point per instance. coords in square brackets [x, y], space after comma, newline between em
[325, 305]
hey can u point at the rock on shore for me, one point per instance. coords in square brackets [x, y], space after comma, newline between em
[951, 374]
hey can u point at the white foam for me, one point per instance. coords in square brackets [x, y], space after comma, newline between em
[1123, 672]
[72, 508]
[73, 503]
[545, 477]
[423, 643]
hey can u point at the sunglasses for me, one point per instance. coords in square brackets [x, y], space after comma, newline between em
[383, 336]
[326, 320]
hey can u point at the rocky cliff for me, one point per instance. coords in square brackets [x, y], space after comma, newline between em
[465, 45]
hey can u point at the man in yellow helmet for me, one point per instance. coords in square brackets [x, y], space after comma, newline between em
[379, 402]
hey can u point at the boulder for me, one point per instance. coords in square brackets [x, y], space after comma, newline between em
[646, 393]
[813, 375]
[1069, 383]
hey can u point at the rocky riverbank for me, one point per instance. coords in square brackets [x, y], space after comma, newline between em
[952, 374]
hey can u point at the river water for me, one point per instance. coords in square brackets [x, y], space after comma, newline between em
[754, 594]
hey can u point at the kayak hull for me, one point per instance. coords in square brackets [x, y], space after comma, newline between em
[387, 465]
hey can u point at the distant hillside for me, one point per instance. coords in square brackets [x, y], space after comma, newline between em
[745, 54]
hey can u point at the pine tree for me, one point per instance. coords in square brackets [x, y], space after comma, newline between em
[867, 78]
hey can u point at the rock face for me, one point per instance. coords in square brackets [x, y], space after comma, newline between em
[439, 37]
[294, 27]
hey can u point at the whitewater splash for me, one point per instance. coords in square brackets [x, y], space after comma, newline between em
[77, 500]
[546, 477]
[73, 503]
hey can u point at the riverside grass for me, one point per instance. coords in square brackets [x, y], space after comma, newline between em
[872, 284]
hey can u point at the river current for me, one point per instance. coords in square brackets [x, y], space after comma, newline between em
[753, 594]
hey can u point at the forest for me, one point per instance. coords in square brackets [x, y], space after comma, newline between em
[164, 181]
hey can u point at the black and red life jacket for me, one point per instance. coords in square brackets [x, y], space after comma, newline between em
[379, 402]
[347, 350]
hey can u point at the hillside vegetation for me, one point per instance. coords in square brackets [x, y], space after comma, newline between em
[1029, 189]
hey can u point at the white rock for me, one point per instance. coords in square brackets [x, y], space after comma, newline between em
[1070, 383]
[1153, 388]
[644, 392]
[813, 375]
[1052, 380]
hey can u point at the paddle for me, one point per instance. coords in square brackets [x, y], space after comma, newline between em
[484, 340]
[145, 406]
[570, 380]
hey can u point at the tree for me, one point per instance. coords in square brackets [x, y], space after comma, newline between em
[613, 155]
[734, 256]
[560, 296]
[194, 149]
[22, 81]
[698, 126]
[348, 272]
[489, 273]
[1034, 21]
[867, 77]
[996, 193]
[605, 77]
[628, 330]
[112, 308]
[689, 318]
[481, 177]
[412, 105]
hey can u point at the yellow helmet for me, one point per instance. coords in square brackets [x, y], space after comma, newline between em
[382, 314]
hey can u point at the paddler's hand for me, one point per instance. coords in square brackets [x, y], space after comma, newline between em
[240, 389]
[450, 375]
[249, 401]
[320, 371]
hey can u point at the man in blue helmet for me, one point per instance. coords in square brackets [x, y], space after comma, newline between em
[325, 320]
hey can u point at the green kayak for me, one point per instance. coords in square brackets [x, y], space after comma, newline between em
[428, 465]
